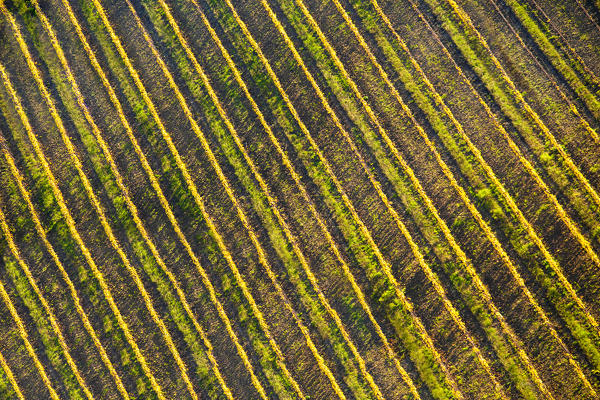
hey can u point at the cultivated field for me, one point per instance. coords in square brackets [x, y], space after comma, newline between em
[300, 199]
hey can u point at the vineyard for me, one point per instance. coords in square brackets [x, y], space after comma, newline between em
[300, 199]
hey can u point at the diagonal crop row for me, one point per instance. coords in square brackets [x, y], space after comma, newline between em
[157, 189]
[414, 247]
[485, 227]
[309, 202]
[585, 243]
[196, 195]
[272, 203]
[29, 347]
[501, 188]
[577, 330]
[574, 326]
[45, 336]
[579, 62]
[52, 319]
[11, 377]
[155, 185]
[383, 73]
[58, 228]
[558, 62]
[338, 92]
[565, 69]
[177, 312]
[102, 216]
[239, 278]
[271, 199]
[175, 35]
[386, 267]
[132, 208]
[449, 175]
[25, 337]
[72, 227]
[73, 292]
[529, 167]
[454, 185]
[587, 13]
[241, 214]
[505, 326]
[466, 20]
[329, 198]
[415, 182]
[278, 238]
[559, 208]
[345, 225]
[406, 168]
[504, 99]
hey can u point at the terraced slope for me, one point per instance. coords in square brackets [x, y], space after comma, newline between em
[299, 199]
